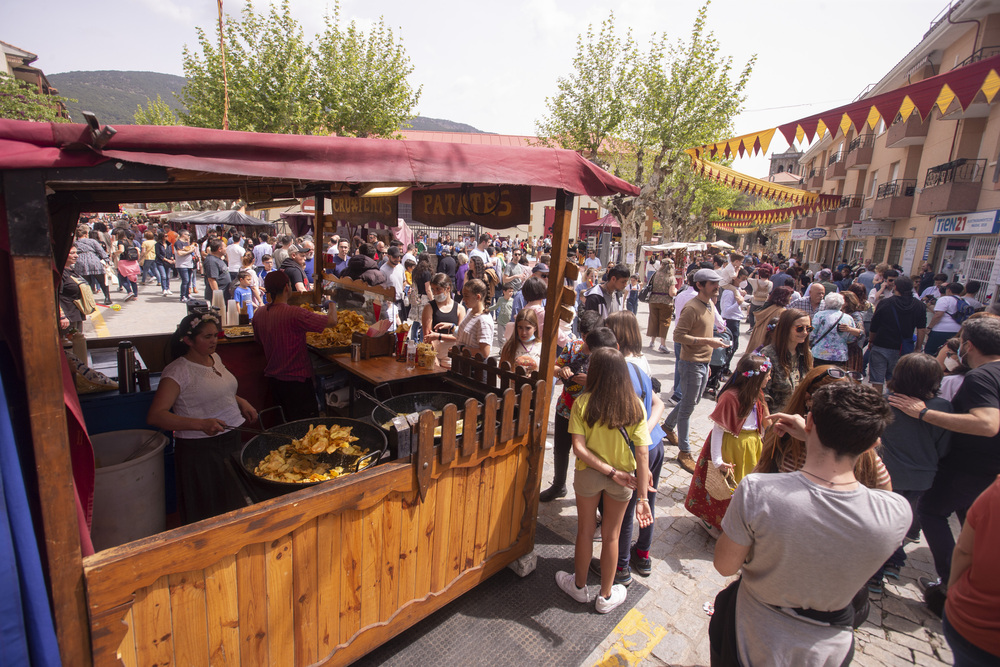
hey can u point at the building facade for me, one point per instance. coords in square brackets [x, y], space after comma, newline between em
[912, 190]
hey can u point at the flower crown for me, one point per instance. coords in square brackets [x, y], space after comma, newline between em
[764, 368]
[196, 322]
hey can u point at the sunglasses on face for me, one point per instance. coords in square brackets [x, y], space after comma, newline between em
[803, 327]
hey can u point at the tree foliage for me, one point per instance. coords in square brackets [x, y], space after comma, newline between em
[634, 111]
[20, 100]
[362, 80]
[348, 82]
[155, 112]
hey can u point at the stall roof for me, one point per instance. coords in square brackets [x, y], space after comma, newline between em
[262, 166]
[224, 218]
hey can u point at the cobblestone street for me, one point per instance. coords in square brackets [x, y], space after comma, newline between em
[669, 626]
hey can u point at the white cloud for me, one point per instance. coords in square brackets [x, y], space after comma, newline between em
[171, 9]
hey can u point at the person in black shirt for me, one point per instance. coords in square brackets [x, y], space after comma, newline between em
[893, 324]
[216, 269]
[294, 267]
[447, 264]
[973, 461]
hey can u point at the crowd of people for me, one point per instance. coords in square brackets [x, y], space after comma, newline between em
[862, 413]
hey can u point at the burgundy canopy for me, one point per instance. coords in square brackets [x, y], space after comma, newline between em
[25, 145]
[607, 222]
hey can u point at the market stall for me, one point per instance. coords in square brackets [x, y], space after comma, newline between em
[325, 573]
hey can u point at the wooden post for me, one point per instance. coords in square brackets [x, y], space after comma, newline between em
[38, 322]
[319, 251]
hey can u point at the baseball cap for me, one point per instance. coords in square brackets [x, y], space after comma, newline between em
[275, 282]
[540, 268]
[706, 276]
[295, 247]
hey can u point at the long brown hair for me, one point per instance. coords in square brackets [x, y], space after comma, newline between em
[748, 382]
[626, 329]
[509, 351]
[780, 448]
[782, 333]
[608, 404]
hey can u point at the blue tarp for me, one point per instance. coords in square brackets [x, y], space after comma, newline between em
[27, 634]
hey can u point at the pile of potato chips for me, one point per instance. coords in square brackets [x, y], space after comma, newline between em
[297, 462]
[348, 322]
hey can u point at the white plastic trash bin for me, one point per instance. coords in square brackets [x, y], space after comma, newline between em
[128, 495]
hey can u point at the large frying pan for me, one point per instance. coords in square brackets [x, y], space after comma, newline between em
[369, 437]
[409, 403]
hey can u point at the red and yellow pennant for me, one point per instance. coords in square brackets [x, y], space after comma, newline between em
[754, 186]
[735, 226]
[776, 215]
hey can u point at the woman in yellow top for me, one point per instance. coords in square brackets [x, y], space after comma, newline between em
[147, 257]
[601, 419]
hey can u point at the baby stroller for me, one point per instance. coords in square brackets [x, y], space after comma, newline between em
[718, 363]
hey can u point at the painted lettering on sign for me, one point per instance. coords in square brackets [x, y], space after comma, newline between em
[491, 206]
[363, 210]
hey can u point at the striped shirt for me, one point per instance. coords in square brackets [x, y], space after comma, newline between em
[281, 330]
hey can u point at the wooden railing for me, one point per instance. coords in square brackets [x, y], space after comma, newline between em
[325, 574]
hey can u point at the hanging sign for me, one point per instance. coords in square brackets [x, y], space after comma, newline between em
[364, 210]
[871, 228]
[909, 252]
[815, 233]
[496, 207]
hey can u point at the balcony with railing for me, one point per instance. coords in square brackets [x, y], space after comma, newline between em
[909, 132]
[836, 168]
[849, 210]
[826, 218]
[859, 151]
[815, 178]
[952, 187]
[981, 54]
[894, 200]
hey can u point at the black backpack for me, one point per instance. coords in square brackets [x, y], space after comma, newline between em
[131, 253]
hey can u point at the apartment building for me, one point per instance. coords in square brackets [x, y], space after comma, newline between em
[916, 190]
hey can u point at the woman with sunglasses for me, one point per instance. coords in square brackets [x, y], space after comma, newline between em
[783, 453]
[832, 331]
[790, 358]
[772, 308]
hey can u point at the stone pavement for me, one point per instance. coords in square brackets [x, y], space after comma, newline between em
[669, 626]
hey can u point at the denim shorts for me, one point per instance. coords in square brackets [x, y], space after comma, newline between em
[881, 363]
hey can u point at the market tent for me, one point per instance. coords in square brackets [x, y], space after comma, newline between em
[225, 218]
[721, 244]
[607, 222]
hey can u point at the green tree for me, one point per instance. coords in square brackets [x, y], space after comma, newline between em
[362, 80]
[20, 100]
[634, 112]
[269, 66]
[155, 113]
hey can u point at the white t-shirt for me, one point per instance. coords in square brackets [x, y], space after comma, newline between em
[931, 291]
[204, 395]
[475, 330]
[234, 256]
[481, 254]
[949, 306]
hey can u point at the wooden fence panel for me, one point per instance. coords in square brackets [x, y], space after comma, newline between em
[280, 613]
[328, 564]
[391, 556]
[371, 568]
[485, 508]
[350, 582]
[409, 541]
[188, 617]
[472, 500]
[305, 584]
[454, 537]
[223, 613]
[251, 582]
[153, 628]
[442, 529]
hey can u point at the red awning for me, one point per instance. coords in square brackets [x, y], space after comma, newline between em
[26, 145]
[607, 222]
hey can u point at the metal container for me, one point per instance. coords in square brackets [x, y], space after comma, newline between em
[355, 351]
[126, 367]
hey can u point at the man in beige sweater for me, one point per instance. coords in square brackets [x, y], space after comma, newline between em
[695, 333]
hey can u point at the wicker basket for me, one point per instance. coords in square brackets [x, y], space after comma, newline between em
[719, 486]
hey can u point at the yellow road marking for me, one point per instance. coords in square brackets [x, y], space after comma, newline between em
[635, 639]
[100, 326]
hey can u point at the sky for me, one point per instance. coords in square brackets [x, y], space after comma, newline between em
[492, 65]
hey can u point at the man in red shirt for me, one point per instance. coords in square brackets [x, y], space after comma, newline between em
[281, 330]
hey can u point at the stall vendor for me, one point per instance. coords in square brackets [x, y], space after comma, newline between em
[281, 330]
[197, 400]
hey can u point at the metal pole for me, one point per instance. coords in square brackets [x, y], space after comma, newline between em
[225, 78]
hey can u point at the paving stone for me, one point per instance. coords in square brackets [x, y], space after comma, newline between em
[874, 616]
[881, 655]
[911, 611]
[900, 624]
[925, 660]
[890, 646]
[670, 600]
[684, 584]
[693, 625]
[672, 649]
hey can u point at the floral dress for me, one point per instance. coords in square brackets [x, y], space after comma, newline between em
[781, 384]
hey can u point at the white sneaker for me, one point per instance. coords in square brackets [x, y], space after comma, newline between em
[168, 293]
[567, 582]
[606, 604]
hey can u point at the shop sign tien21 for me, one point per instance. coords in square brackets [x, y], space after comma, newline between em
[982, 222]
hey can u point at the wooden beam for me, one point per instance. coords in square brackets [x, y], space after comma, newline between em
[38, 321]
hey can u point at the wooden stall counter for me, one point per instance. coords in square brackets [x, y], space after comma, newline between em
[382, 370]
